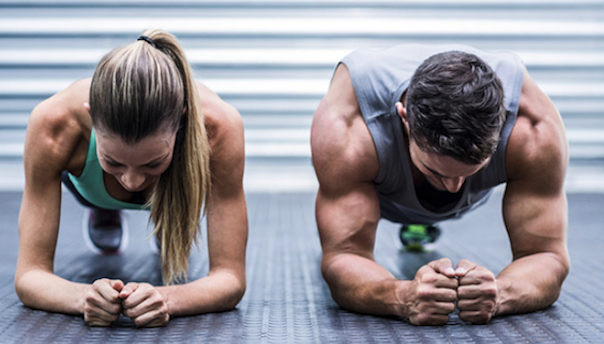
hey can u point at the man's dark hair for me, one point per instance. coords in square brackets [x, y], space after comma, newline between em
[455, 107]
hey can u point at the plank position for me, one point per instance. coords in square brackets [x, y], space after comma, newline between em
[141, 134]
[421, 134]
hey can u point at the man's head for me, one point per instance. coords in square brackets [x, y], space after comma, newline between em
[454, 107]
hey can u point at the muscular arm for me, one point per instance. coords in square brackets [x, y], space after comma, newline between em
[347, 224]
[225, 285]
[535, 208]
[49, 145]
[347, 212]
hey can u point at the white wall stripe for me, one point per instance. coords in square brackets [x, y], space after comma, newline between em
[300, 26]
[268, 57]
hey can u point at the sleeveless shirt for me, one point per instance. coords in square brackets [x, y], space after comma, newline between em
[91, 186]
[379, 78]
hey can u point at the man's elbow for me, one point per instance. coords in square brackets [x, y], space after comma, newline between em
[336, 293]
[328, 267]
[564, 266]
[333, 270]
[562, 272]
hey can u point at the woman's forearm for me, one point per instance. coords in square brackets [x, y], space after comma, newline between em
[220, 291]
[45, 291]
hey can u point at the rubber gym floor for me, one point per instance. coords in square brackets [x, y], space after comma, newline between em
[287, 300]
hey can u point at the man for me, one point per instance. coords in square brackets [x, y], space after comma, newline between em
[420, 134]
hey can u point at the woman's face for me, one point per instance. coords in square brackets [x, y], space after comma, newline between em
[136, 166]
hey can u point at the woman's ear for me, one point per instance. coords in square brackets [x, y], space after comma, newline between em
[87, 107]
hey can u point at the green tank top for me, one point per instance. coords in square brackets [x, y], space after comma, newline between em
[91, 186]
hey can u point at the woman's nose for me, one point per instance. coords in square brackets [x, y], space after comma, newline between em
[132, 181]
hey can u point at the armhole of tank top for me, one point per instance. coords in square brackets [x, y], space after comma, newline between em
[371, 125]
[518, 82]
[90, 157]
[333, 73]
[513, 107]
[83, 175]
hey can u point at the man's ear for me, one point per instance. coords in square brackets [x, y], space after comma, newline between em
[402, 112]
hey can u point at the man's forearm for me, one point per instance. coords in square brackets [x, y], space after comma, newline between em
[531, 283]
[361, 285]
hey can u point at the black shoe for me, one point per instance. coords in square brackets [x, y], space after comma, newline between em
[105, 231]
[419, 238]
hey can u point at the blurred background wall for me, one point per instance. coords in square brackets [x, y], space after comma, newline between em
[273, 59]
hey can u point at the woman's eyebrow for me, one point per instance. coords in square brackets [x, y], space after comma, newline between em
[110, 159]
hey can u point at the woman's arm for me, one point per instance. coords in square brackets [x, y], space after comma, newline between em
[225, 285]
[53, 143]
[35, 283]
[47, 151]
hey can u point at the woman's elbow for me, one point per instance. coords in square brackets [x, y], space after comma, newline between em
[236, 293]
[23, 291]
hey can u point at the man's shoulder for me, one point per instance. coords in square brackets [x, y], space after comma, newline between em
[537, 148]
[342, 147]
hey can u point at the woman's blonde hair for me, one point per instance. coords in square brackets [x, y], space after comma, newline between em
[145, 88]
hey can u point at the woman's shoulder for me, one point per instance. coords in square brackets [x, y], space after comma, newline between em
[216, 111]
[65, 106]
[224, 127]
[59, 125]
[223, 122]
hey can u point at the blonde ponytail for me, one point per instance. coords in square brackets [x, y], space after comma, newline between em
[177, 202]
[135, 91]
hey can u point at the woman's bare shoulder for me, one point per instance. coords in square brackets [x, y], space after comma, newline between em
[217, 113]
[224, 127]
[58, 125]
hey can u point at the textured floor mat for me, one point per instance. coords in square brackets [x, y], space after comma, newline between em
[287, 300]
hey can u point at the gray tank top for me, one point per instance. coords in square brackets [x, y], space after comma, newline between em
[379, 78]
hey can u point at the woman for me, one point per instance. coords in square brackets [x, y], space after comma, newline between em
[140, 134]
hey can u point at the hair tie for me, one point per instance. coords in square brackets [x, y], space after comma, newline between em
[148, 40]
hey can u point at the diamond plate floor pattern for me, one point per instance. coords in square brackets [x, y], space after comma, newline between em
[287, 300]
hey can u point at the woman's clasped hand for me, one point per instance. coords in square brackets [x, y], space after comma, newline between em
[142, 302]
